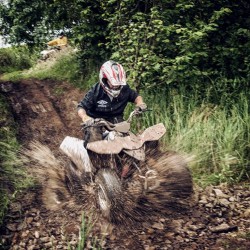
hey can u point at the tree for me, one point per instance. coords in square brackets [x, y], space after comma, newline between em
[162, 43]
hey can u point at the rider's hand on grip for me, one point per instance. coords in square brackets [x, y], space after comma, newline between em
[88, 121]
[141, 107]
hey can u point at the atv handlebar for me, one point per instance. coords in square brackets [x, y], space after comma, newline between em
[120, 127]
[134, 113]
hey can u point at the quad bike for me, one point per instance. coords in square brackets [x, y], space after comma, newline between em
[121, 166]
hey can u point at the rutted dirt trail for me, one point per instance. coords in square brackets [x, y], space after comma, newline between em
[46, 111]
[47, 114]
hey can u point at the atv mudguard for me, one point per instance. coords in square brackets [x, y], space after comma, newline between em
[74, 149]
[131, 142]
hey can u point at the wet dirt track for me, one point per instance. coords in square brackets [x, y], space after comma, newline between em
[46, 111]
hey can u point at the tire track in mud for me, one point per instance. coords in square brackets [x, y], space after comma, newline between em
[46, 111]
[37, 111]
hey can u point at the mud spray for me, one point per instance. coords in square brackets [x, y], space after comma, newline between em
[163, 186]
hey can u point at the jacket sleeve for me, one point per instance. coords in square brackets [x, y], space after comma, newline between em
[87, 102]
[132, 94]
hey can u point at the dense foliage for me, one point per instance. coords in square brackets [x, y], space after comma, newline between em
[162, 43]
[15, 58]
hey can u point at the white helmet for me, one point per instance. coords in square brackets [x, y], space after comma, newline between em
[112, 77]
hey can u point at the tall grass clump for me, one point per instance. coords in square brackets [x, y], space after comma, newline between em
[12, 177]
[86, 237]
[217, 136]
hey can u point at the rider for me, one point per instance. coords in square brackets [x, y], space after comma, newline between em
[108, 98]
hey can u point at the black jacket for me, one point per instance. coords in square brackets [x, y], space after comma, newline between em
[98, 104]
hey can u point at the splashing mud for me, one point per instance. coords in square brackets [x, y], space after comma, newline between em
[163, 186]
[63, 186]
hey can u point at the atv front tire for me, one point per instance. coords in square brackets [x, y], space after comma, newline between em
[109, 192]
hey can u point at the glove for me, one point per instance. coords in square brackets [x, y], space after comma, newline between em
[88, 121]
[141, 107]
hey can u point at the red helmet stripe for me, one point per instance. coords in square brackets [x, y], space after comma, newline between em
[120, 72]
[114, 74]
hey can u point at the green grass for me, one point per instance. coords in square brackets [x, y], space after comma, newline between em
[13, 178]
[64, 67]
[86, 236]
[215, 136]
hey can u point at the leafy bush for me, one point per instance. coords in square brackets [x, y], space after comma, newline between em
[162, 44]
[169, 45]
[15, 58]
